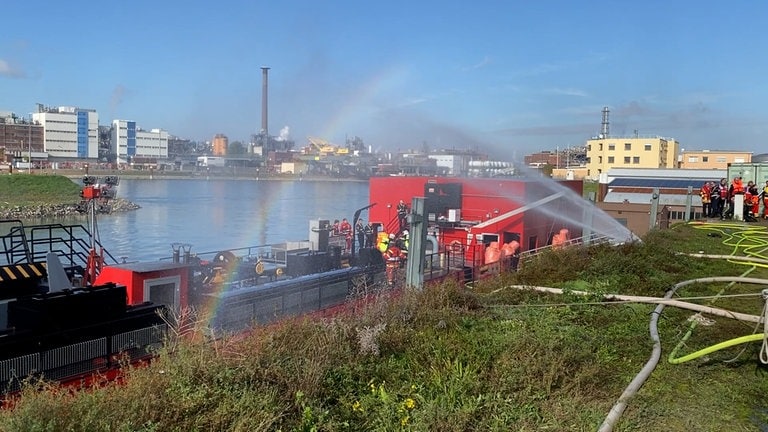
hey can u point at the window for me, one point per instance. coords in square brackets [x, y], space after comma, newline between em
[610, 159]
[647, 147]
[627, 146]
[636, 160]
[601, 147]
[626, 159]
[721, 159]
[693, 159]
[599, 159]
[611, 147]
[589, 147]
[705, 158]
[738, 160]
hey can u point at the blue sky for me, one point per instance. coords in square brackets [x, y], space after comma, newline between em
[506, 77]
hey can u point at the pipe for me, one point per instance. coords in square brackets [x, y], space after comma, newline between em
[717, 347]
[433, 241]
[634, 386]
[655, 300]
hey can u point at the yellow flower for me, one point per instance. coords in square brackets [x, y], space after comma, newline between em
[404, 421]
[356, 406]
[410, 403]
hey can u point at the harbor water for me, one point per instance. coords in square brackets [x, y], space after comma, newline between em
[219, 215]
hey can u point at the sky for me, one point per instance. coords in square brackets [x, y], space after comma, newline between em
[506, 78]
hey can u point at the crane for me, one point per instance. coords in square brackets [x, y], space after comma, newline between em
[325, 148]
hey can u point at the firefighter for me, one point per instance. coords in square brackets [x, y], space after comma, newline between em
[402, 214]
[345, 229]
[714, 199]
[368, 230]
[393, 258]
[706, 197]
[736, 188]
[561, 239]
[383, 243]
[360, 231]
[722, 188]
[754, 200]
[764, 194]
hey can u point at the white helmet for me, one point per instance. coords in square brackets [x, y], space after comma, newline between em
[405, 232]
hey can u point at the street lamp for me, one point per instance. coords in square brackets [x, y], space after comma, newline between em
[29, 140]
[29, 156]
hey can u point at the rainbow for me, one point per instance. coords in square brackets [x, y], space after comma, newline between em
[350, 112]
[361, 102]
[264, 213]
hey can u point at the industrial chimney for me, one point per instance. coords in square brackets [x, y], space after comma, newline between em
[605, 129]
[264, 88]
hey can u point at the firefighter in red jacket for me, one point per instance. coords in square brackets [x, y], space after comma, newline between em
[754, 199]
[393, 257]
[706, 199]
[345, 229]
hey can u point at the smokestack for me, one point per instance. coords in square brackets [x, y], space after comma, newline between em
[264, 88]
[605, 130]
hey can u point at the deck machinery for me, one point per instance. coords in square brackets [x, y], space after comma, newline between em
[65, 333]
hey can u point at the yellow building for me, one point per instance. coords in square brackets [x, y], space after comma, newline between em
[220, 145]
[712, 159]
[630, 152]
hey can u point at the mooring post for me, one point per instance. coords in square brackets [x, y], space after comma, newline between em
[414, 269]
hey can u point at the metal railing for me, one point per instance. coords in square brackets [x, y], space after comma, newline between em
[31, 243]
[592, 240]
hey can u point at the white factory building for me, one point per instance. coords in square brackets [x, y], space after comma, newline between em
[130, 141]
[69, 132]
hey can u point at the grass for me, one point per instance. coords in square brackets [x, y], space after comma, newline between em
[448, 358]
[22, 190]
[590, 186]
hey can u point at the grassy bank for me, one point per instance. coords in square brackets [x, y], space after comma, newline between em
[449, 358]
[21, 190]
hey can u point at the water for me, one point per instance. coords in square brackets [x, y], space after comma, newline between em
[576, 211]
[218, 215]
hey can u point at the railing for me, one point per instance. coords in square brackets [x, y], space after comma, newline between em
[440, 264]
[393, 226]
[592, 239]
[14, 239]
[28, 244]
[66, 361]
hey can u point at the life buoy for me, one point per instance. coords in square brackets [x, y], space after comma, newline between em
[259, 268]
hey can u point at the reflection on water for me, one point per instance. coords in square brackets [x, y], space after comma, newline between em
[217, 215]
